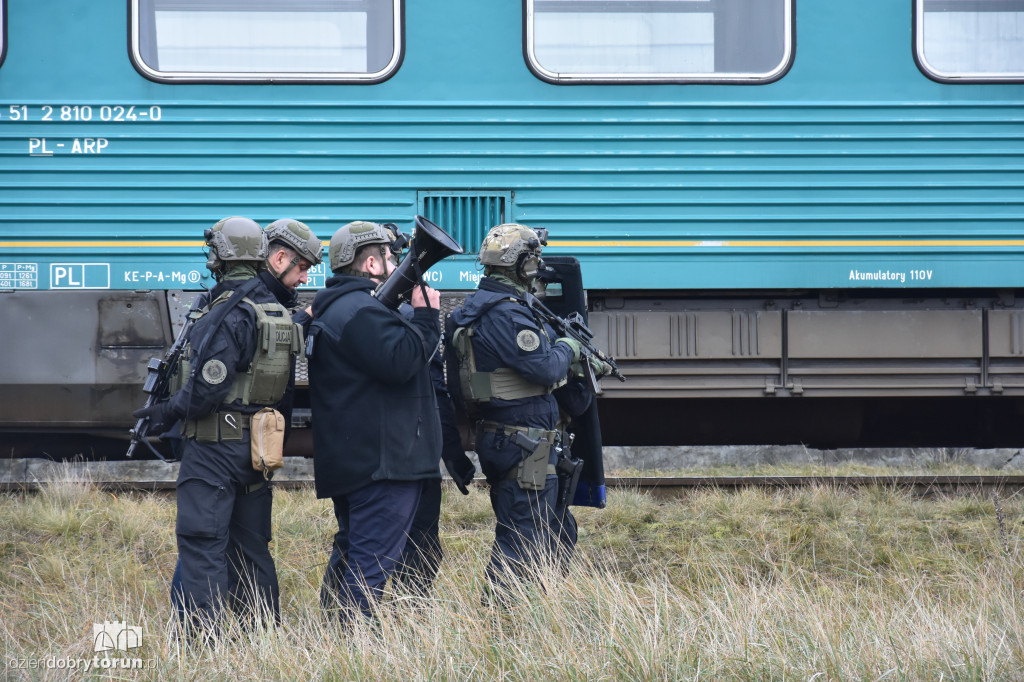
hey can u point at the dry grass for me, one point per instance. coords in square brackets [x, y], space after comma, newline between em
[822, 583]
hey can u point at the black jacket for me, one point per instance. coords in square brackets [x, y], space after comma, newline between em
[232, 343]
[374, 411]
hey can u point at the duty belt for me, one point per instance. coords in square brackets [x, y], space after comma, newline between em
[553, 437]
[218, 427]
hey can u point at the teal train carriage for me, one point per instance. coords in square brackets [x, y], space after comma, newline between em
[796, 220]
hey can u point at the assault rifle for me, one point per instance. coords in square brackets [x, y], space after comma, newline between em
[574, 327]
[160, 371]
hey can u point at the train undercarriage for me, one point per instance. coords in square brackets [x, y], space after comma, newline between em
[857, 368]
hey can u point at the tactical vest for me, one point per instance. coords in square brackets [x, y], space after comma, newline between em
[278, 341]
[476, 387]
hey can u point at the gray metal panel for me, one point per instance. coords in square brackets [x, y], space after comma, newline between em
[708, 348]
[126, 319]
[85, 377]
[1006, 351]
[885, 334]
[1006, 333]
[891, 382]
[704, 334]
[681, 353]
[697, 380]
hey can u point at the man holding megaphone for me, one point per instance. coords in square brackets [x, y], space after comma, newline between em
[376, 435]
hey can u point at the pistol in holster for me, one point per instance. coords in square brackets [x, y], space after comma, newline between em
[569, 469]
[533, 470]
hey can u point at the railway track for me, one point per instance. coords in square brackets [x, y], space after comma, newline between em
[30, 475]
[672, 486]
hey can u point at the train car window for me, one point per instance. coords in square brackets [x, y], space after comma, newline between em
[3, 30]
[351, 41]
[668, 41]
[970, 40]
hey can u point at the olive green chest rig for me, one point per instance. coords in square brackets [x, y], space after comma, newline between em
[278, 340]
[503, 383]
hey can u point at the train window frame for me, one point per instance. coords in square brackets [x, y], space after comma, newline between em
[940, 76]
[679, 78]
[3, 31]
[283, 77]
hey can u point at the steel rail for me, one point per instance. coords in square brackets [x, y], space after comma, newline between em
[658, 486]
[670, 486]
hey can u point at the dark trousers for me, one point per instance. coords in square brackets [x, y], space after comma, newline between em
[421, 558]
[373, 526]
[529, 529]
[224, 531]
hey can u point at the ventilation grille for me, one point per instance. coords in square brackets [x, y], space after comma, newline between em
[467, 216]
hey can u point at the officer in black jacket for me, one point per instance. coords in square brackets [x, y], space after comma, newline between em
[224, 505]
[518, 380]
[421, 558]
[423, 552]
[376, 435]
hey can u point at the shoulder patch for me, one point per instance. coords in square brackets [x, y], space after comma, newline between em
[528, 340]
[214, 372]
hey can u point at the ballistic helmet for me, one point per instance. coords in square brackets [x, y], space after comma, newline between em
[347, 240]
[236, 239]
[506, 243]
[297, 237]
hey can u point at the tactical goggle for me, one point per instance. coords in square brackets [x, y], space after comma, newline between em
[399, 240]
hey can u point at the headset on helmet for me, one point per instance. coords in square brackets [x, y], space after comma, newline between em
[235, 239]
[516, 247]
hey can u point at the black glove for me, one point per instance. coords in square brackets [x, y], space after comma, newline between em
[160, 417]
[460, 468]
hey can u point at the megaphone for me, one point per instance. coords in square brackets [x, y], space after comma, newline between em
[429, 245]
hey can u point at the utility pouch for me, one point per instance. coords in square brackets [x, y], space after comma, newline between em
[533, 470]
[232, 426]
[208, 430]
[266, 440]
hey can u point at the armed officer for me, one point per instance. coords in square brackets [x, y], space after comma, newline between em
[294, 249]
[238, 360]
[376, 433]
[506, 368]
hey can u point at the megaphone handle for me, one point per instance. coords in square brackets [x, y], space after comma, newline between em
[419, 280]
